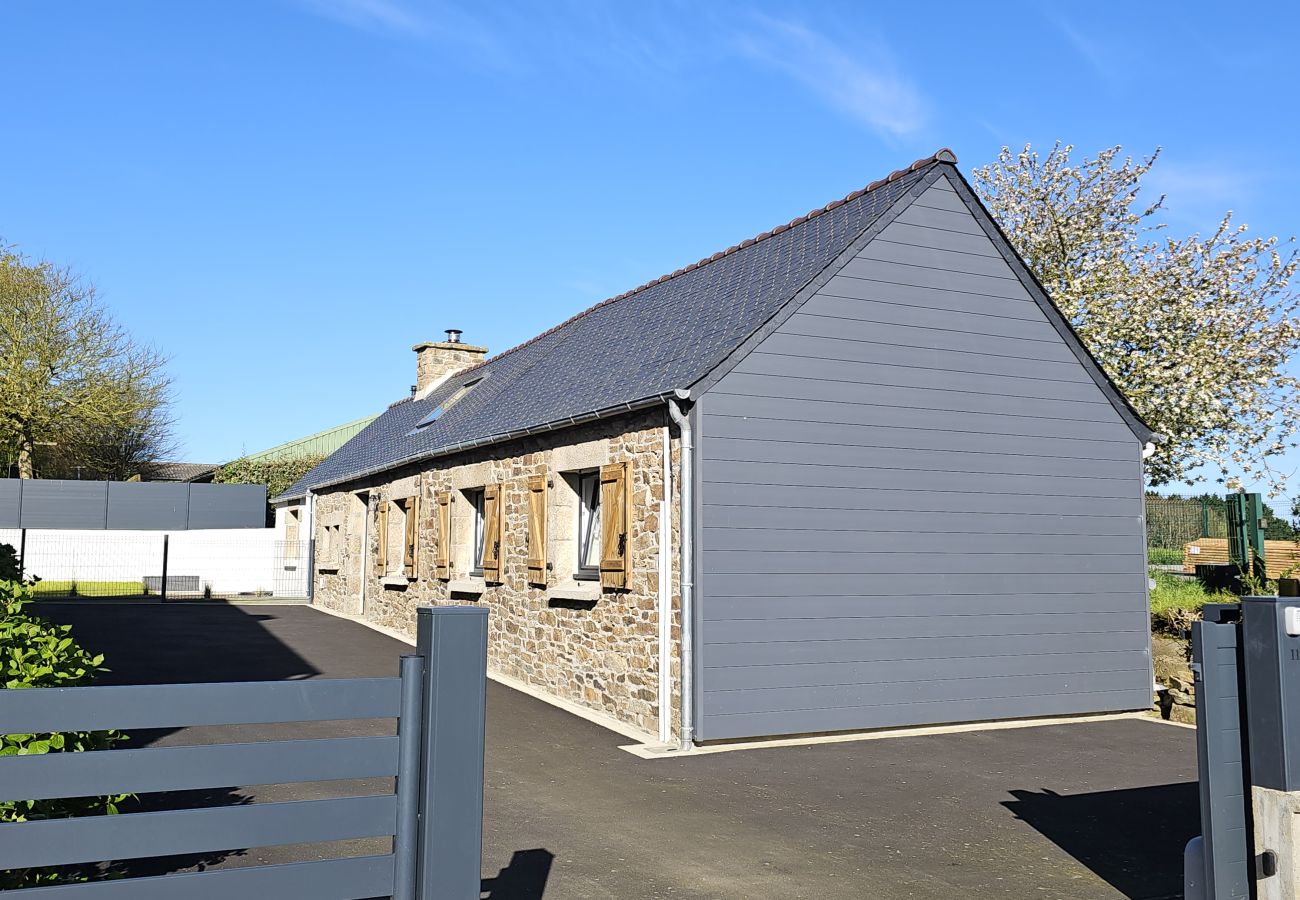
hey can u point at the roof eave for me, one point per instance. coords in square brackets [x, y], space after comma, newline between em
[462, 446]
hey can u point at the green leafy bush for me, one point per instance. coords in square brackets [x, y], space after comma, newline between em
[35, 653]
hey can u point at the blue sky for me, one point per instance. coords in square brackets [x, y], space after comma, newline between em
[285, 195]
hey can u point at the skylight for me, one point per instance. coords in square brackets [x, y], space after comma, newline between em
[449, 403]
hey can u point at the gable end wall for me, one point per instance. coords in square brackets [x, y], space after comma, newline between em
[916, 505]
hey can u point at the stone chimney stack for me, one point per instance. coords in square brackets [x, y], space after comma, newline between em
[436, 360]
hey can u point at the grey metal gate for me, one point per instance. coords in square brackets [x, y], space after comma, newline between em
[434, 814]
[1220, 755]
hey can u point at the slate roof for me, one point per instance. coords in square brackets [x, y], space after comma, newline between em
[177, 471]
[626, 351]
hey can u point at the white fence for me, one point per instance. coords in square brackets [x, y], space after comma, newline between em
[235, 562]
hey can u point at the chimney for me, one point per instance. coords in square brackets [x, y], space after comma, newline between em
[436, 360]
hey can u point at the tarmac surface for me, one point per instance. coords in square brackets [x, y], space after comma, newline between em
[1081, 810]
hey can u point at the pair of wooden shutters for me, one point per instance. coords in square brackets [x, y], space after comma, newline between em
[614, 537]
[410, 548]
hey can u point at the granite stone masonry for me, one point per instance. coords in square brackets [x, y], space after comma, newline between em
[597, 648]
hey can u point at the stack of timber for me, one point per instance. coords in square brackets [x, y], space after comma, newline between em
[1281, 558]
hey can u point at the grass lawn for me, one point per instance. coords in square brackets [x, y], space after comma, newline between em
[1165, 556]
[89, 588]
[1175, 601]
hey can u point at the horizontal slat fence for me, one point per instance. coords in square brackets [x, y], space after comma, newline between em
[438, 701]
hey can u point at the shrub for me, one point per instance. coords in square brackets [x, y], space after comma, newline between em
[35, 653]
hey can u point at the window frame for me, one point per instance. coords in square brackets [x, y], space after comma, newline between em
[588, 531]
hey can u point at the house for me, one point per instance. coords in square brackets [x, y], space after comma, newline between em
[908, 493]
[289, 515]
[192, 473]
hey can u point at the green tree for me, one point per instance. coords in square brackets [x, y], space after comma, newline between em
[1194, 330]
[70, 376]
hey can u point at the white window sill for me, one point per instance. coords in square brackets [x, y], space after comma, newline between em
[588, 593]
[466, 586]
[395, 581]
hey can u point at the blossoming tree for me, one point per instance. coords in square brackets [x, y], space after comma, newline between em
[1196, 331]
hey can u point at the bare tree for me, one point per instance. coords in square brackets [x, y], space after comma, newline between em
[70, 376]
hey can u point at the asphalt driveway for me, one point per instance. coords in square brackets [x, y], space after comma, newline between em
[1097, 810]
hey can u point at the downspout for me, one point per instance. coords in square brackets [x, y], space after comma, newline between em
[666, 596]
[687, 562]
[310, 510]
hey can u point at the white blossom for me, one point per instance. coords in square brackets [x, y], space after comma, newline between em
[1194, 331]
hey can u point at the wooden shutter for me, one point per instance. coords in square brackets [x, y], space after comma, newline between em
[491, 562]
[614, 505]
[381, 564]
[442, 561]
[410, 556]
[537, 530]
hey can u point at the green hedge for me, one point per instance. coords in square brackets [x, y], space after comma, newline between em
[36, 653]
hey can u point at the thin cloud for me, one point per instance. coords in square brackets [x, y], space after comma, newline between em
[1198, 194]
[371, 15]
[864, 85]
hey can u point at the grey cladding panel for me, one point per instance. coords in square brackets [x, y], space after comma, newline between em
[1018, 307]
[915, 712]
[917, 506]
[227, 506]
[159, 505]
[64, 504]
[11, 490]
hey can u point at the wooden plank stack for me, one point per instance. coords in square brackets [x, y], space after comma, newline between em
[1281, 558]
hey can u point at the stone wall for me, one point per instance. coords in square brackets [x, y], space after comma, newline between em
[597, 648]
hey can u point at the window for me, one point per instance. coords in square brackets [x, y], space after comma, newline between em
[395, 550]
[588, 526]
[331, 550]
[475, 498]
[448, 403]
[292, 525]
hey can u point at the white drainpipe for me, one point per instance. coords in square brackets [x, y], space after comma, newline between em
[687, 562]
[666, 597]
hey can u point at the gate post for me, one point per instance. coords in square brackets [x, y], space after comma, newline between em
[453, 642]
[1219, 867]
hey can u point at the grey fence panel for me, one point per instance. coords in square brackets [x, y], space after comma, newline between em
[227, 506]
[454, 640]
[151, 505]
[434, 813]
[51, 775]
[175, 705]
[11, 502]
[1220, 759]
[64, 504]
[56, 842]
[326, 879]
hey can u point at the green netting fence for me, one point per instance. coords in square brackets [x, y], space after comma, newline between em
[1173, 521]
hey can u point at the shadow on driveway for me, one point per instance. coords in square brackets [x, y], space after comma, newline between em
[523, 879]
[1132, 838]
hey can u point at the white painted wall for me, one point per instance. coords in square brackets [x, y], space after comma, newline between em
[228, 561]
